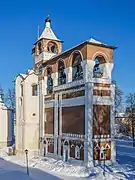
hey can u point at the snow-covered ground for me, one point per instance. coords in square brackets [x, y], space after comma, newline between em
[14, 167]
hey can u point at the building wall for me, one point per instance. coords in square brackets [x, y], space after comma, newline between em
[73, 119]
[6, 126]
[68, 117]
[27, 115]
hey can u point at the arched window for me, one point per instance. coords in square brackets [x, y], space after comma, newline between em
[49, 80]
[61, 73]
[40, 69]
[97, 71]
[77, 71]
[39, 47]
[52, 48]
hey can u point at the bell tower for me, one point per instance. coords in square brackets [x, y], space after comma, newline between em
[47, 45]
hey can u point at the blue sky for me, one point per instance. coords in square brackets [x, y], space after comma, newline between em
[112, 22]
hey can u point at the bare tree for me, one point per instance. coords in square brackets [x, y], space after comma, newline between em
[10, 99]
[118, 97]
[130, 100]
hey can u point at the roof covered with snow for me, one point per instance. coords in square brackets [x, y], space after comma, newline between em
[95, 41]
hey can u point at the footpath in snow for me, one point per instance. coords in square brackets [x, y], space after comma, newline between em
[14, 167]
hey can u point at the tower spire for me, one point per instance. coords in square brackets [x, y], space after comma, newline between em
[38, 32]
[48, 21]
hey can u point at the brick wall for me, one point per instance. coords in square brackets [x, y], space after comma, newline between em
[101, 120]
[49, 124]
[73, 119]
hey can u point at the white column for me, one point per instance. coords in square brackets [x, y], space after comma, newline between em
[112, 124]
[55, 78]
[60, 122]
[69, 74]
[89, 124]
[55, 123]
[41, 131]
[45, 85]
[88, 73]
[107, 69]
[60, 113]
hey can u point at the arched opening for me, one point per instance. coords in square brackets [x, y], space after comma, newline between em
[40, 69]
[98, 70]
[66, 151]
[61, 73]
[39, 47]
[52, 48]
[77, 70]
[49, 80]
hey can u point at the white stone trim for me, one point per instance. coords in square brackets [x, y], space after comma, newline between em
[68, 74]
[112, 125]
[101, 80]
[101, 88]
[55, 123]
[71, 138]
[68, 85]
[104, 100]
[88, 76]
[73, 90]
[48, 135]
[112, 110]
[81, 136]
[49, 104]
[88, 143]
[102, 140]
[55, 79]
[60, 113]
[78, 101]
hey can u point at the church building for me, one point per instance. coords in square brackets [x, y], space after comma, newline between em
[65, 104]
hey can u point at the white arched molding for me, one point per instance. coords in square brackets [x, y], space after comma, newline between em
[98, 53]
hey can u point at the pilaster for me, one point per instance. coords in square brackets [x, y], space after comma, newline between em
[88, 144]
[88, 70]
[69, 74]
[55, 123]
[112, 124]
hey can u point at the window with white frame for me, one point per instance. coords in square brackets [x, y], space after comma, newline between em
[21, 90]
[34, 90]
